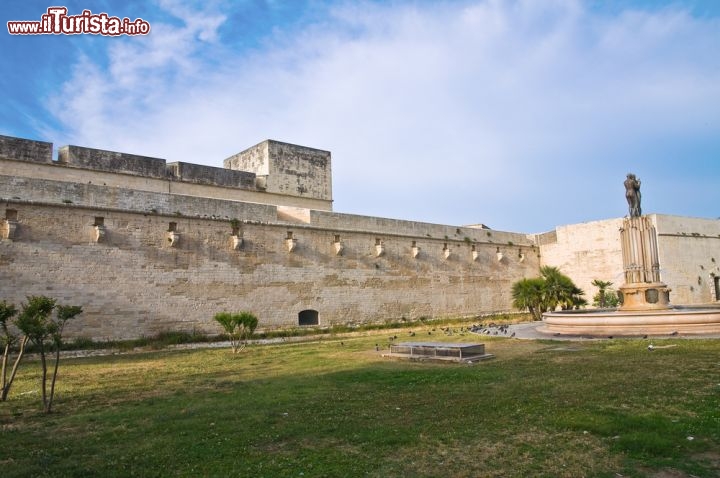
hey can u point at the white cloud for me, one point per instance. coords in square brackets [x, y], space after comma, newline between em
[488, 111]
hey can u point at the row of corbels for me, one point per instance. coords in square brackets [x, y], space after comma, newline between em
[236, 241]
[291, 245]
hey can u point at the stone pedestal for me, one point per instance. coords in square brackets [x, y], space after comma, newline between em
[650, 296]
[643, 289]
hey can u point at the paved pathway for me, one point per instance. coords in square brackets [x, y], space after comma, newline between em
[529, 330]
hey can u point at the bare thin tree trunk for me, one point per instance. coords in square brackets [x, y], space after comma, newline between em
[52, 383]
[6, 352]
[43, 381]
[6, 389]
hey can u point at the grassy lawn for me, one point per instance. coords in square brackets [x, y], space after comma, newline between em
[336, 408]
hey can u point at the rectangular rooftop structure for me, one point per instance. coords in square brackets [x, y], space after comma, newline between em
[287, 169]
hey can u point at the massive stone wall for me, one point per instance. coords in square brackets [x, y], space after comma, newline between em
[135, 281]
[585, 252]
[689, 253]
[688, 248]
[146, 246]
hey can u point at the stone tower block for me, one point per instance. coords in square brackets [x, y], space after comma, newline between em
[288, 169]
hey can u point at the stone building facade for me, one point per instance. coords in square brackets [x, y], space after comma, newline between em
[147, 246]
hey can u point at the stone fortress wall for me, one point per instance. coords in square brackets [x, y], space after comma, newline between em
[688, 249]
[147, 246]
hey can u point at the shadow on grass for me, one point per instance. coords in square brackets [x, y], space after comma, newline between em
[337, 410]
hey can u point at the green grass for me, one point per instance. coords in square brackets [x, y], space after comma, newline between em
[335, 408]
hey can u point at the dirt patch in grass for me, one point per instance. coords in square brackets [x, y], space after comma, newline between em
[532, 453]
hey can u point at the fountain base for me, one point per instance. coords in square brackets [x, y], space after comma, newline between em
[684, 320]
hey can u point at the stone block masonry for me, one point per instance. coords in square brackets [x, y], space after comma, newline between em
[100, 160]
[135, 283]
[146, 246]
[688, 249]
[287, 168]
[145, 254]
[25, 149]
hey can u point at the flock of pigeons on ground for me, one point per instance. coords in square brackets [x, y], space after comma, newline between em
[489, 329]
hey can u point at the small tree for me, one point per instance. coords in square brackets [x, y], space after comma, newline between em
[36, 321]
[606, 297]
[547, 292]
[247, 323]
[528, 294]
[8, 341]
[239, 327]
[64, 313]
[560, 290]
[225, 319]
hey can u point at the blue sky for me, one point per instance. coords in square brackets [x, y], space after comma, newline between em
[522, 115]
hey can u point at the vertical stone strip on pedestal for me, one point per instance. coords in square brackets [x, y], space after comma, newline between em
[642, 289]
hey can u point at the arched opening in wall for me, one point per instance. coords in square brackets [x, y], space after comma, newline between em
[308, 317]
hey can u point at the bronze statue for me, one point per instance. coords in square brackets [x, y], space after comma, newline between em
[632, 194]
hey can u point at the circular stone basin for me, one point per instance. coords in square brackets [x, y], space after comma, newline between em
[677, 319]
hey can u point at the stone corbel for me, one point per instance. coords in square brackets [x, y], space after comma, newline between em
[99, 234]
[236, 241]
[173, 238]
[379, 249]
[9, 229]
[261, 183]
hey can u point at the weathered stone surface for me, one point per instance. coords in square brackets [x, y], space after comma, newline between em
[21, 149]
[89, 158]
[197, 173]
[134, 283]
[135, 278]
[287, 168]
[688, 251]
[99, 196]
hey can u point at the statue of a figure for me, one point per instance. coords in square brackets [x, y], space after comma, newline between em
[632, 194]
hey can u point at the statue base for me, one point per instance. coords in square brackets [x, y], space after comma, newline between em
[644, 296]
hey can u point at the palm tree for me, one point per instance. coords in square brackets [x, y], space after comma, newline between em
[528, 294]
[560, 290]
[547, 292]
[603, 286]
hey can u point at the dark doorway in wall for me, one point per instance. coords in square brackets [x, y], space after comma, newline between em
[308, 317]
[717, 287]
